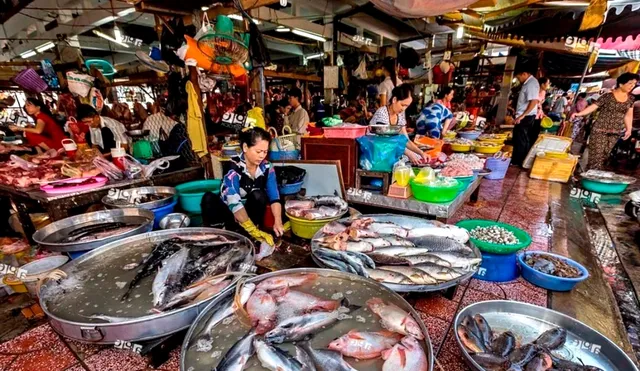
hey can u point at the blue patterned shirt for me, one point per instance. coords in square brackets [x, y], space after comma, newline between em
[238, 183]
[431, 119]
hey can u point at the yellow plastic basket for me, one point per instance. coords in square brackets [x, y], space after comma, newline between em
[304, 228]
[497, 140]
[460, 147]
[487, 150]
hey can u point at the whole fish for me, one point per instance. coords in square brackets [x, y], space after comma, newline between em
[503, 344]
[470, 340]
[110, 319]
[468, 322]
[105, 234]
[388, 229]
[169, 276]
[382, 275]
[397, 241]
[305, 359]
[237, 357]
[400, 251]
[438, 272]
[289, 280]
[440, 230]
[226, 260]
[211, 289]
[296, 328]
[357, 234]
[274, 358]
[426, 259]
[435, 244]
[152, 262]
[407, 355]
[416, 276]
[394, 318]
[299, 204]
[365, 345]
[357, 261]
[335, 201]
[355, 246]
[339, 265]
[226, 309]
[377, 242]
[552, 339]
[334, 228]
[196, 293]
[521, 356]
[453, 260]
[540, 362]
[262, 309]
[326, 360]
[490, 360]
[486, 334]
[300, 302]
[564, 365]
[86, 233]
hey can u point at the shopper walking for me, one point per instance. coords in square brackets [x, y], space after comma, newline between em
[525, 116]
[615, 116]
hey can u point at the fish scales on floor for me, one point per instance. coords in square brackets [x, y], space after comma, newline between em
[278, 313]
[501, 352]
[389, 252]
[188, 269]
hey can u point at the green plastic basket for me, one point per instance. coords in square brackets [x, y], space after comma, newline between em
[427, 193]
[495, 248]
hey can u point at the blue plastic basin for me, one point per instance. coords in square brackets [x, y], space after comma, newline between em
[190, 194]
[497, 267]
[161, 212]
[548, 281]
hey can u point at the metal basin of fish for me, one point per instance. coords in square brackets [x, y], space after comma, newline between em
[87, 305]
[209, 339]
[527, 322]
[119, 198]
[51, 236]
[409, 223]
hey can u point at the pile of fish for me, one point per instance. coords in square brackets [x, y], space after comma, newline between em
[188, 269]
[502, 352]
[388, 253]
[97, 232]
[317, 207]
[278, 313]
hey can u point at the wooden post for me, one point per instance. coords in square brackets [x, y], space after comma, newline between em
[505, 89]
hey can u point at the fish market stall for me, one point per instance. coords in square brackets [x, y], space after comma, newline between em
[306, 319]
[440, 211]
[59, 206]
[146, 286]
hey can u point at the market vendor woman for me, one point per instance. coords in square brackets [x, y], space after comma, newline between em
[247, 189]
[46, 134]
[393, 114]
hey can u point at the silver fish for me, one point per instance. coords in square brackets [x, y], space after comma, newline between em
[439, 272]
[397, 241]
[457, 260]
[110, 319]
[402, 251]
[416, 275]
[334, 228]
[226, 260]
[357, 234]
[377, 242]
[388, 229]
[440, 230]
[296, 328]
[227, 308]
[435, 243]
[338, 264]
[274, 358]
[169, 276]
[356, 246]
[358, 260]
[237, 357]
[382, 275]
[326, 360]
[426, 258]
[303, 357]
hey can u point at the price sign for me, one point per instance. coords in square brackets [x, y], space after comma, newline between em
[356, 192]
[127, 345]
[583, 194]
[9, 269]
[234, 121]
[362, 40]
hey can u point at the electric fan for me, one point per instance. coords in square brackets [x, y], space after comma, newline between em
[222, 45]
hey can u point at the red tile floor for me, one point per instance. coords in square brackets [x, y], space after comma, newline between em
[517, 200]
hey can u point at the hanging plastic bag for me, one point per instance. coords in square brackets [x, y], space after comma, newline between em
[79, 83]
[361, 71]
[159, 164]
[380, 153]
[108, 169]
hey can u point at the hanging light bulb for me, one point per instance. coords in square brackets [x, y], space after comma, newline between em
[460, 32]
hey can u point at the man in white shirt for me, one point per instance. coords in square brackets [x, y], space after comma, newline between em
[526, 110]
[298, 119]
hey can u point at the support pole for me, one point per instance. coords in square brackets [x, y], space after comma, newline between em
[505, 88]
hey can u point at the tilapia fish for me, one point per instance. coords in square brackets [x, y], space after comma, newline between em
[334, 228]
[237, 357]
[440, 230]
[540, 362]
[290, 280]
[393, 318]
[407, 355]
[226, 309]
[365, 345]
[169, 277]
[274, 358]
[296, 328]
[299, 302]
[486, 334]
[503, 344]
[326, 360]
[521, 356]
[262, 309]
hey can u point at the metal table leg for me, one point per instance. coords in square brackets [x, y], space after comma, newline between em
[450, 293]
[27, 225]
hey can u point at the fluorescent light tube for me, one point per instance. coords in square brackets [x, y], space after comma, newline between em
[314, 56]
[126, 12]
[282, 29]
[27, 54]
[44, 47]
[238, 17]
[309, 35]
[460, 32]
[107, 37]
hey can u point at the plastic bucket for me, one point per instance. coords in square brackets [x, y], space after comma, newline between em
[498, 168]
[497, 268]
[190, 194]
[39, 269]
[161, 212]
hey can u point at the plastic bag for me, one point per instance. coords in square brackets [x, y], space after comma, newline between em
[426, 175]
[380, 153]
[108, 169]
[23, 164]
[159, 164]
[402, 173]
[289, 174]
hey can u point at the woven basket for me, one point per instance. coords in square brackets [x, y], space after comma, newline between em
[29, 79]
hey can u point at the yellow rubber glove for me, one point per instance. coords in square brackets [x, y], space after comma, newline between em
[286, 226]
[257, 233]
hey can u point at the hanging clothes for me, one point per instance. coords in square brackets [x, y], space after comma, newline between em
[195, 123]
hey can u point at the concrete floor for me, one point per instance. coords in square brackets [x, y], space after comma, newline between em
[606, 301]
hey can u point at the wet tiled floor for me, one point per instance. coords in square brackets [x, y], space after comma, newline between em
[516, 200]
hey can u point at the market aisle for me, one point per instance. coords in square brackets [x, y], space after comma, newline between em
[516, 200]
